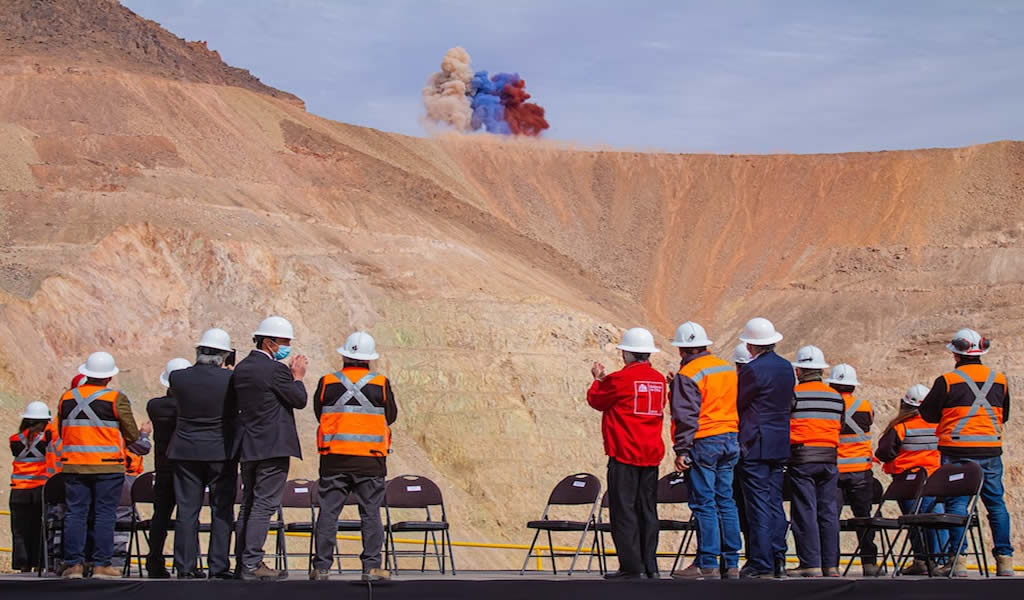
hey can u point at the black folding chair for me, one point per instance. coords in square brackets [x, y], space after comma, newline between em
[949, 481]
[141, 491]
[297, 494]
[418, 493]
[672, 489]
[54, 502]
[845, 526]
[904, 486]
[574, 490]
[598, 547]
[132, 525]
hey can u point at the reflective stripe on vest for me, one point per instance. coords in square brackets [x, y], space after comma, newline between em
[920, 439]
[30, 453]
[809, 405]
[696, 377]
[29, 467]
[858, 435]
[715, 381]
[854, 460]
[980, 403]
[351, 429]
[354, 390]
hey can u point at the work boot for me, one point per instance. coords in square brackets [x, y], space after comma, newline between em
[731, 573]
[319, 575]
[870, 570]
[263, 573]
[1004, 566]
[74, 572]
[695, 572]
[804, 572]
[831, 571]
[106, 572]
[959, 567]
[919, 567]
[376, 574]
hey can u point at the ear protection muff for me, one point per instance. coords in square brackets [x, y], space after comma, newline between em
[984, 343]
[962, 344]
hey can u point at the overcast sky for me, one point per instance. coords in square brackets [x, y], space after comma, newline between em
[681, 76]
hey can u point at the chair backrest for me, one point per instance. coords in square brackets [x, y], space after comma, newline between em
[143, 488]
[581, 488]
[953, 480]
[672, 489]
[412, 491]
[298, 493]
[906, 485]
[126, 494]
[53, 489]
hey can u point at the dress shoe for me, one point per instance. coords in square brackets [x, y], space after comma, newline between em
[223, 575]
[192, 575]
[158, 573]
[623, 575]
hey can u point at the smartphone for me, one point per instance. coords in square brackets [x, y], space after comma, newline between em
[230, 360]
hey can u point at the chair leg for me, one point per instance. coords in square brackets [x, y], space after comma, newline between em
[423, 562]
[579, 546]
[955, 550]
[529, 553]
[551, 550]
[899, 559]
[679, 554]
[437, 555]
[451, 554]
[981, 543]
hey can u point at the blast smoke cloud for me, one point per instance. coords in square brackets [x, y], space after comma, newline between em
[465, 100]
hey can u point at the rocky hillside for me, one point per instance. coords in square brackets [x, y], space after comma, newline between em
[148, 192]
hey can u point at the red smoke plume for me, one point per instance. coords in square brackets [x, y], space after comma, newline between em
[523, 118]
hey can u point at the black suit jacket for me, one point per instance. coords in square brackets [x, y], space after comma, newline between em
[266, 395]
[206, 415]
[164, 415]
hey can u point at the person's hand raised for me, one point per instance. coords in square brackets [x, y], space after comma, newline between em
[298, 366]
[597, 371]
[146, 428]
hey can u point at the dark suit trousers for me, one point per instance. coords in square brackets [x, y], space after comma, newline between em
[163, 506]
[369, 495]
[262, 483]
[858, 490]
[766, 519]
[815, 513]
[633, 510]
[191, 478]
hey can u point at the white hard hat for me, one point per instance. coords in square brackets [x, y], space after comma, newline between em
[276, 327]
[740, 355]
[638, 340]
[968, 342]
[176, 364]
[691, 335]
[36, 410]
[843, 374]
[99, 365]
[215, 338]
[760, 332]
[360, 346]
[915, 395]
[810, 357]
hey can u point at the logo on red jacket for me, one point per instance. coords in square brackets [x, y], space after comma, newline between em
[648, 397]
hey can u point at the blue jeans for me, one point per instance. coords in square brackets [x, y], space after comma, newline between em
[102, 494]
[711, 500]
[762, 497]
[992, 496]
[937, 538]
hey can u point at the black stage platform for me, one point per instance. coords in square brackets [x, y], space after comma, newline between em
[508, 587]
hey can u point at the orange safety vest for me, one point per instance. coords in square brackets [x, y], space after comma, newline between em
[28, 470]
[53, 448]
[716, 381]
[133, 464]
[919, 447]
[89, 427]
[854, 441]
[973, 413]
[353, 425]
[817, 416]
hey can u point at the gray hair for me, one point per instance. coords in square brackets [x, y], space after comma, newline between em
[759, 350]
[632, 357]
[211, 356]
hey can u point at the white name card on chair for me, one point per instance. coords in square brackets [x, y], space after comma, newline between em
[911, 476]
[414, 488]
[301, 490]
[579, 484]
[956, 477]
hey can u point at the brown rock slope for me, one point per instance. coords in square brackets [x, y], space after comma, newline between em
[141, 204]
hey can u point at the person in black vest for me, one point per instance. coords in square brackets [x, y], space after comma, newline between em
[163, 414]
[202, 451]
[267, 392]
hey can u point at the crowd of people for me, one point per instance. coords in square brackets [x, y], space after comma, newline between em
[742, 429]
[217, 423]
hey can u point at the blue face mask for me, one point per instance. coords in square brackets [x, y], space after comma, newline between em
[282, 352]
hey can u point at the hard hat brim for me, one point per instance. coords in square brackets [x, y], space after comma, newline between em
[954, 350]
[768, 341]
[841, 381]
[693, 344]
[357, 355]
[638, 349]
[28, 415]
[164, 381]
[813, 365]
[273, 334]
[215, 347]
[97, 374]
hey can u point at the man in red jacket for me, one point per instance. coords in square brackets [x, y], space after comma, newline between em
[633, 405]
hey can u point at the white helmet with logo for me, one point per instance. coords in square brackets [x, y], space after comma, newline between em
[691, 335]
[810, 357]
[843, 374]
[968, 342]
[915, 395]
[360, 346]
